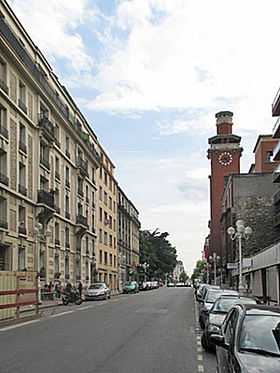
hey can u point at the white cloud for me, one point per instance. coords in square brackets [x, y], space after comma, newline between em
[53, 27]
[196, 54]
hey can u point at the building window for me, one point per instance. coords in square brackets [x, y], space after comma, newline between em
[22, 97]
[3, 76]
[22, 179]
[67, 207]
[87, 197]
[105, 178]
[100, 256]
[93, 200]
[100, 193]
[80, 209]
[100, 214]
[105, 258]
[93, 175]
[105, 218]
[3, 168]
[110, 240]
[3, 122]
[80, 186]
[115, 261]
[105, 238]
[110, 183]
[57, 134]
[67, 237]
[100, 173]
[105, 198]
[111, 260]
[67, 177]
[56, 234]
[57, 173]
[3, 213]
[22, 220]
[93, 223]
[56, 264]
[21, 258]
[22, 138]
[114, 207]
[110, 203]
[67, 146]
[44, 154]
[269, 156]
[100, 235]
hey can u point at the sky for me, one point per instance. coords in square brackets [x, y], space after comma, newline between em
[149, 75]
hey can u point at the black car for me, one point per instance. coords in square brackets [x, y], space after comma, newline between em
[249, 340]
[217, 315]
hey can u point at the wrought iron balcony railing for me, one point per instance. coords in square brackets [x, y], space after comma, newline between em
[46, 198]
[82, 220]
[83, 166]
[47, 127]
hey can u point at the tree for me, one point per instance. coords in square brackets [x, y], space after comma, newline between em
[158, 252]
[183, 277]
[199, 269]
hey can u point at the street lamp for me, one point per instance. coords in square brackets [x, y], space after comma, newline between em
[240, 232]
[145, 266]
[38, 233]
[215, 259]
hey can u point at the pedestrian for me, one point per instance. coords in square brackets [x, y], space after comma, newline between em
[80, 288]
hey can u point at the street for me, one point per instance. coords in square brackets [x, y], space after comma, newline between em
[148, 332]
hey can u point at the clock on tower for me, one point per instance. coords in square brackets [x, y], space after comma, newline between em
[224, 153]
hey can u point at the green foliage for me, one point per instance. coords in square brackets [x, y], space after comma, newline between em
[197, 272]
[183, 277]
[158, 252]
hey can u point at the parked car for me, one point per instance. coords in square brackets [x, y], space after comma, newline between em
[130, 287]
[218, 313]
[249, 340]
[98, 291]
[209, 299]
[180, 284]
[202, 290]
[170, 285]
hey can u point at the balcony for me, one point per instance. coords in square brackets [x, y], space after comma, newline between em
[57, 175]
[82, 220]
[57, 242]
[47, 127]
[4, 86]
[22, 189]
[22, 230]
[22, 147]
[4, 132]
[3, 224]
[67, 215]
[276, 175]
[276, 104]
[46, 198]
[4, 179]
[22, 105]
[82, 166]
[45, 163]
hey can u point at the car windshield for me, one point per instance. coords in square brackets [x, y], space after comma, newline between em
[129, 284]
[225, 304]
[260, 332]
[97, 286]
[211, 296]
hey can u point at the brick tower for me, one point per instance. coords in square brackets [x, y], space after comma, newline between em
[224, 153]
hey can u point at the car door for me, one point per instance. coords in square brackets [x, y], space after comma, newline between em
[225, 356]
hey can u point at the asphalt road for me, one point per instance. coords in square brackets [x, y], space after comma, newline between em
[149, 332]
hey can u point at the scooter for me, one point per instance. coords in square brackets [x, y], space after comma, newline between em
[72, 297]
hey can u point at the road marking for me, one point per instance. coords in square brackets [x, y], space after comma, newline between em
[18, 325]
[200, 368]
[84, 308]
[199, 357]
[199, 349]
[62, 314]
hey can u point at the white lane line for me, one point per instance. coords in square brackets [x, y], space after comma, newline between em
[199, 357]
[84, 308]
[62, 314]
[200, 368]
[199, 349]
[18, 325]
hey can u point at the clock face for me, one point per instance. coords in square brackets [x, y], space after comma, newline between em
[225, 158]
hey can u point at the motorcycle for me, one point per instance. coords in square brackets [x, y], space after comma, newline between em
[72, 297]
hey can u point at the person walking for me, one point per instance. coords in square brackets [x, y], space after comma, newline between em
[80, 288]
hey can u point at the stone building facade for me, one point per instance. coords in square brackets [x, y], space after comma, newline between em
[128, 238]
[58, 194]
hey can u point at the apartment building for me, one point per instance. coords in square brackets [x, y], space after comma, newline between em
[128, 238]
[107, 258]
[49, 157]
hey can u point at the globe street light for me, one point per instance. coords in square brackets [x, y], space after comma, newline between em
[240, 232]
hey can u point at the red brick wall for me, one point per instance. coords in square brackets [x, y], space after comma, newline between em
[261, 164]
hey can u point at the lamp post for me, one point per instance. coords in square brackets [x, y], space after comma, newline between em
[145, 266]
[38, 233]
[215, 258]
[240, 232]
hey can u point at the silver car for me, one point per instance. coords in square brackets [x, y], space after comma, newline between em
[98, 291]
